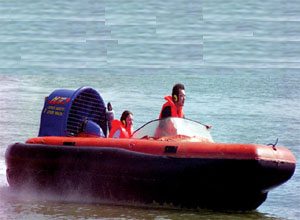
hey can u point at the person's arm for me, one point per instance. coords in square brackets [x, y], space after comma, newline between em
[208, 127]
[166, 112]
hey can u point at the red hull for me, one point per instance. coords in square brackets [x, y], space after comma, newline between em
[189, 174]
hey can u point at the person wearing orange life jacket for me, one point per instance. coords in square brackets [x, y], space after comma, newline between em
[122, 128]
[173, 106]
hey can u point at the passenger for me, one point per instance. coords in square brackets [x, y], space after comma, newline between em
[173, 106]
[122, 128]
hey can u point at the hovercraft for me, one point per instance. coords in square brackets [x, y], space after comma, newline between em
[169, 161]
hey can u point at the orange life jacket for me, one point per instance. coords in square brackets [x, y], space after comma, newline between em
[129, 131]
[174, 111]
[117, 125]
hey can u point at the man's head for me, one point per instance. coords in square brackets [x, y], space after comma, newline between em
[178, 94]
[127, 118]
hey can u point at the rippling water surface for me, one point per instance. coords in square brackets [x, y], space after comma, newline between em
[239, 62]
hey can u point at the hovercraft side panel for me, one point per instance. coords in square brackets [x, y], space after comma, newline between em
[120, 174]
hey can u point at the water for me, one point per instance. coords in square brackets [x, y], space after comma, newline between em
[239, 62]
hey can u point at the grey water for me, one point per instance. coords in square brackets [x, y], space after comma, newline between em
[239, 62]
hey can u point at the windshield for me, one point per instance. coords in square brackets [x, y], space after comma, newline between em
[171, 127]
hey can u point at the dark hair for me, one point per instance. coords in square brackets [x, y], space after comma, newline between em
[176, 89]
[125, 115]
